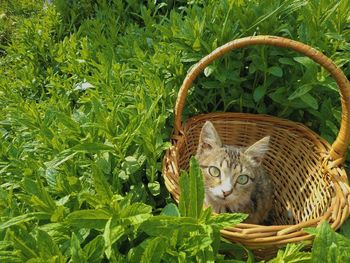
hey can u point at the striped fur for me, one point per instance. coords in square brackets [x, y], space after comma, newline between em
[242, 185]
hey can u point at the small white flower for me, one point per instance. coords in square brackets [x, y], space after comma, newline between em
[83, 86]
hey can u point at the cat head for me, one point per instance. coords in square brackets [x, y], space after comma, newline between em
[230, 172]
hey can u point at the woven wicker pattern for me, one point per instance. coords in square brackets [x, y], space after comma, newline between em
[309, 180]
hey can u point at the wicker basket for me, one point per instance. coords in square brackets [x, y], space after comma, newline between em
[310, 182]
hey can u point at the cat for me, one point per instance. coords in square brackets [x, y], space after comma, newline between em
[235, 180]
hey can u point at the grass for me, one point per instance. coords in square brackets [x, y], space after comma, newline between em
[86, 110]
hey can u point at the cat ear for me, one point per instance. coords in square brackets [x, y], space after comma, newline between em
[257, 151]
[209, 138]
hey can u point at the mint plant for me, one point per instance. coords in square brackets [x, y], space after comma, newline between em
[87, 93]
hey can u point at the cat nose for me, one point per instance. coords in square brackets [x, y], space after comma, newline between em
[227, 193]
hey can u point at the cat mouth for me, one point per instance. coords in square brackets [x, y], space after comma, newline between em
[223, 197]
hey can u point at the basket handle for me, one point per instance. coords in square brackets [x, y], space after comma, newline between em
[340, 145]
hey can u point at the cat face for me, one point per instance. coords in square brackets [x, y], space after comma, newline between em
[230, 172]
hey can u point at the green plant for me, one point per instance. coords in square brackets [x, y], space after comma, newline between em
[87, 91]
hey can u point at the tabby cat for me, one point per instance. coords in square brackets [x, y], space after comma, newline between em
[235, 180]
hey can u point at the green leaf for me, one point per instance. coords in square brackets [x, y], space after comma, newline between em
[331, 126]
[259, 93]
[131, 164]
[94, 250]
[47, 247]
[26, 250]
[154, 250]
[238, 250]
[209, 70]
[286, 61]
[196, 243]
[78, 255]
[102, 187]
[92, 147]
[151, 250]
[40, 196]
[279, 95]
[94, 218]
[305, 61]
[205, 255]
[60, 232]
[276, 71]
[170, 210]
[24, 218]
[60, 159]
[136, 213]
[225, 220]
[302, 90]
[192, 191]
[309, 100]
[154, 188]
[345, 229]
[58, 214]
[293, 254]
[4, 245]
[164, 225]
[252, 68]
[10, 257]
[311, 230]
[184, 193]
[138, 51]
[112, 233]
[206, 215]
[329, 245]
[65, 120]
[104, 163]
[196, 44]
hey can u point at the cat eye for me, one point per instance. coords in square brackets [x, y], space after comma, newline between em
[243, 179]
[214, 171]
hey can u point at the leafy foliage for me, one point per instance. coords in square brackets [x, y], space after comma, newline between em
[292, 253]
[87, 91]
[193, 237]
[330, 246]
